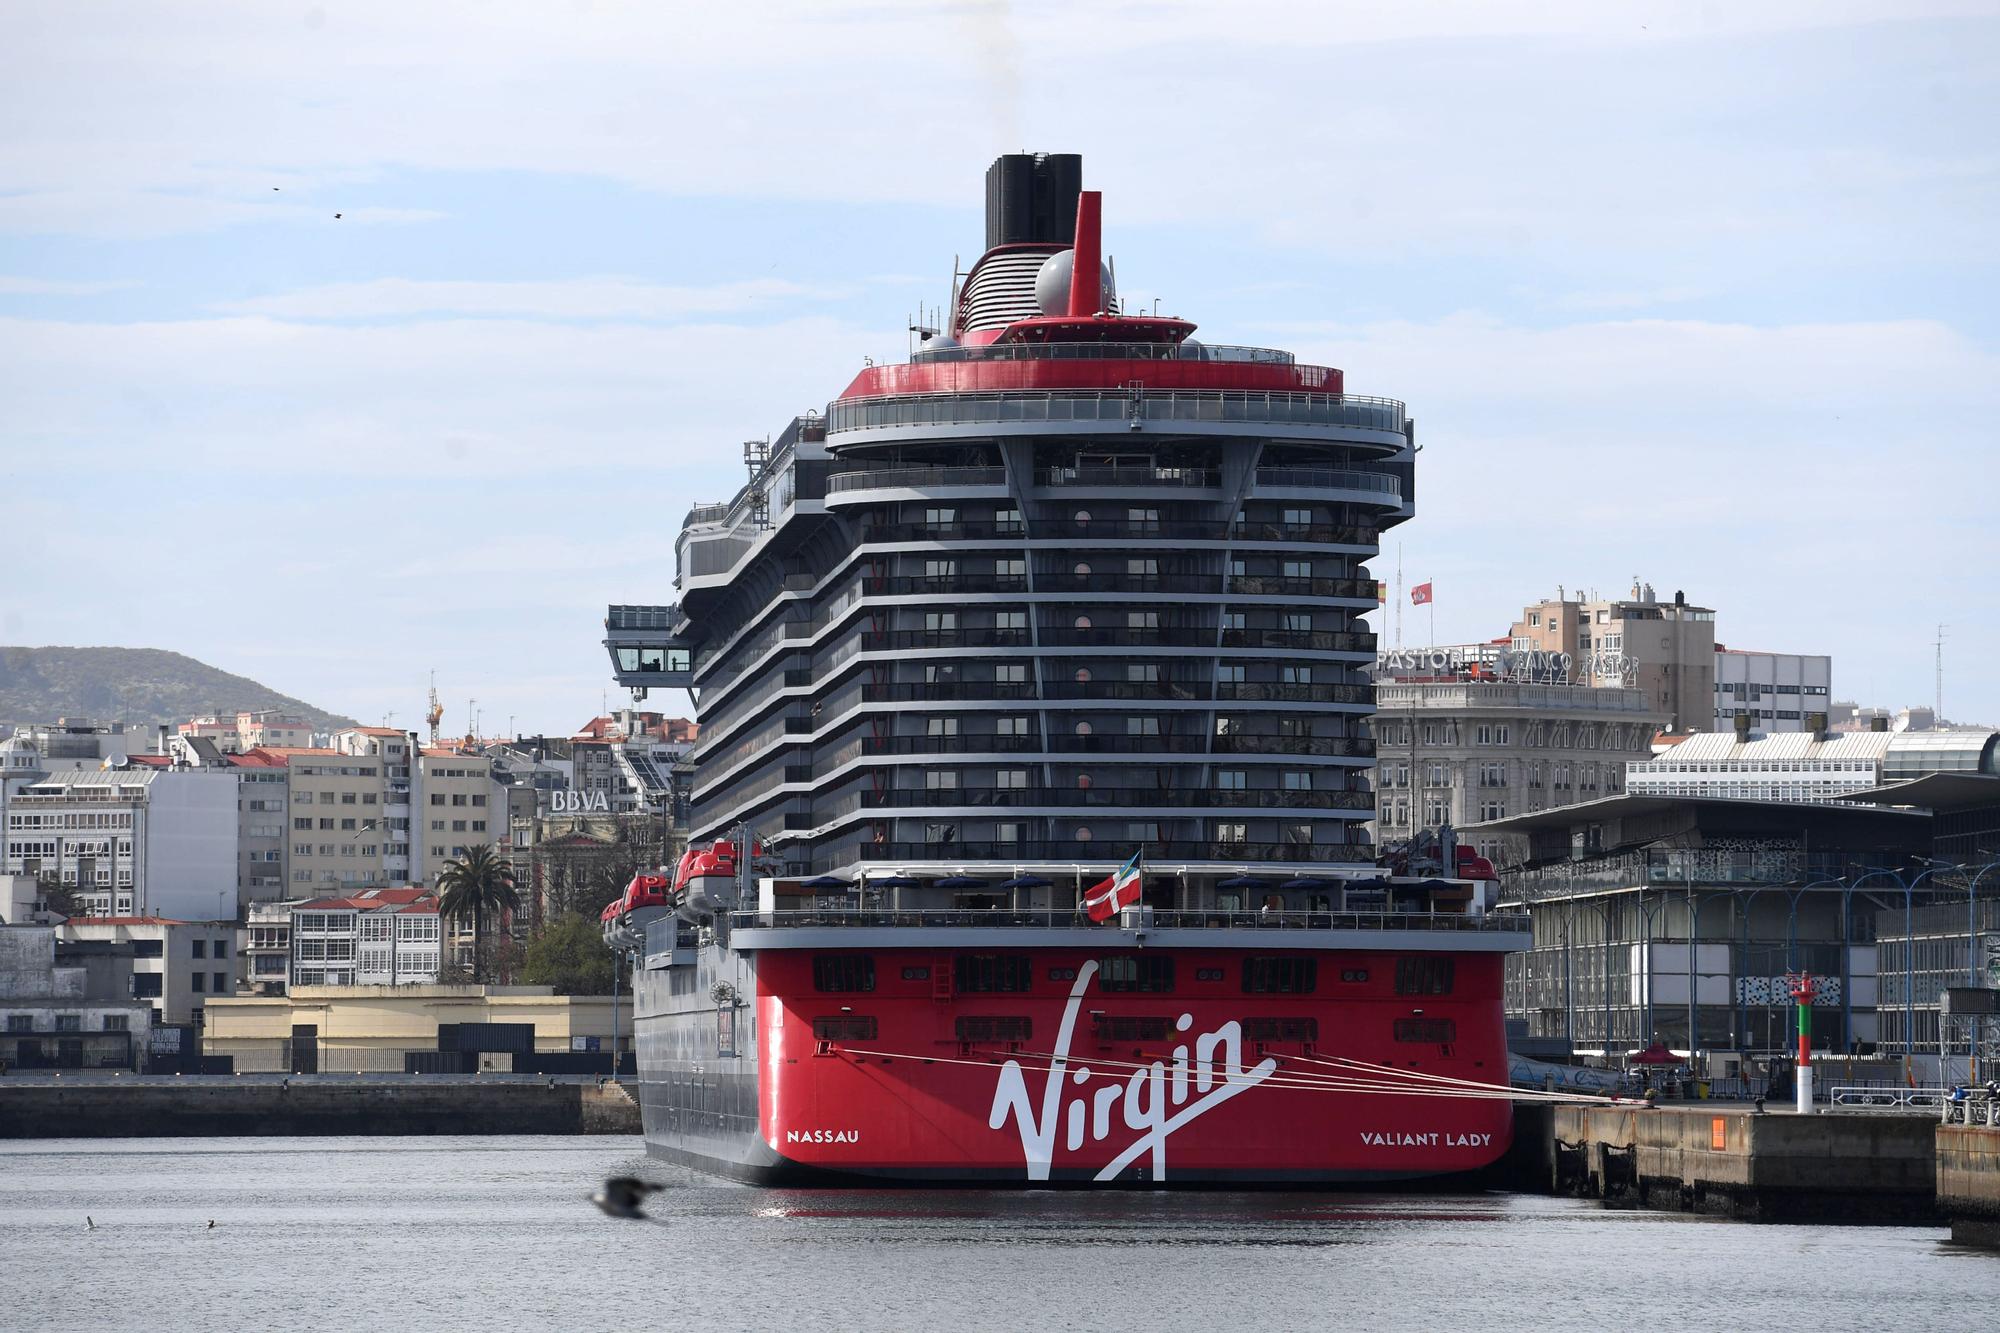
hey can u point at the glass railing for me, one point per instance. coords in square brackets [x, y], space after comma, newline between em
[1070, 919]
[1258, 408]
[1185, 351]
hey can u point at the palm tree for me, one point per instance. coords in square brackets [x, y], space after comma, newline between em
[478, 883]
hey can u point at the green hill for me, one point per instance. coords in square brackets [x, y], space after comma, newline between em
[140, 686]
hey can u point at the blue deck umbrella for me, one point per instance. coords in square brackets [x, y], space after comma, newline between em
[1028, 882]
[894, 882]
[1243, 882]
[959, 882]
[825, 882]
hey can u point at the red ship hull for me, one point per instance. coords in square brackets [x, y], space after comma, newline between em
[1071, 1082]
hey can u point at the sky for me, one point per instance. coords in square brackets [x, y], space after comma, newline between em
[341, 343]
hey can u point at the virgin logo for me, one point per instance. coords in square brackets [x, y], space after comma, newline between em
[1150, 1104]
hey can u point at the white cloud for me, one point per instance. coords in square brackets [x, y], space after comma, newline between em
[574, 298]
[23, 286]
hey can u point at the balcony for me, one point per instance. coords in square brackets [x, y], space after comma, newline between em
[1120, 479]
[1118, 409]
[1118, 798]
[1108, 851]
[849, 487]
[1071, 919]
[1379, 487]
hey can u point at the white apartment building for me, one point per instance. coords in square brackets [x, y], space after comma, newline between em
[378, 937]
[130, 842]
[264, 947]
[177, 966]
[1778, 692]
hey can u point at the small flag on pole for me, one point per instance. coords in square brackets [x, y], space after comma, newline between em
[1103, 899]
[1381, 593]
[1420, 595]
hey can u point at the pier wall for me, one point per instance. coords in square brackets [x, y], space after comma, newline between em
[1868, 1168]
[1968, 1182]
[228, 1106]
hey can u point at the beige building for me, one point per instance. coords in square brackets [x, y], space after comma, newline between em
[462, 806]
[1466, 751]
[1664, 649]
[371, 1028]
[340, 831]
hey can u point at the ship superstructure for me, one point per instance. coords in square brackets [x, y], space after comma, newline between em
[1066, 588]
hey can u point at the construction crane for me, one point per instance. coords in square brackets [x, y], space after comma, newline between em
[435, 712]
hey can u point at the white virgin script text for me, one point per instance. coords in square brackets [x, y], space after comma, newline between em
[1142, 1102]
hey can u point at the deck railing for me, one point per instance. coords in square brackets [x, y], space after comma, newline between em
[1071, 919]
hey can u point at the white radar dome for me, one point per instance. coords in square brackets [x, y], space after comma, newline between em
[940, 342]
[1052, 284]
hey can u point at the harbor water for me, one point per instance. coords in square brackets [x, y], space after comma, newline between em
[497, 1233]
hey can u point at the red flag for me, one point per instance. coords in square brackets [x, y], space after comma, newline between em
[1120, 889]
[1420, 594]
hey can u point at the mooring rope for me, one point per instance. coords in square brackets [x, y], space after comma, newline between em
[1284, 1079]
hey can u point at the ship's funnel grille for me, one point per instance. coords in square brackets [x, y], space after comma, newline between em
[1031, 198]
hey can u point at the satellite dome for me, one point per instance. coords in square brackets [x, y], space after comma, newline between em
[1192, 350]
[1052, 284]
[940, 342]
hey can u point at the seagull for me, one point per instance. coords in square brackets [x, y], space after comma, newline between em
[622, 1195]
[336, 216]
[211, 1224]
[88, 1225]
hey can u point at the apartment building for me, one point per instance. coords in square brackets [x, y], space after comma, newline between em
[461, 807]
[130, 842]
[1666, 650]
[377, 937]
[177, 966]
[249, 729]
[265, 947]
[341, 832]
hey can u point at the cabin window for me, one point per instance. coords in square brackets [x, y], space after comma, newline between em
[1430, 1031]
[1208, 974]
[1424, 975]
[1124, 1027]
[843, 973]
[916, 974]
[1062, 974]
[1136, 972]
[1281, 974]
[1354, 974]
[844, 1027]
[991, 973]
[987, 1028]
[1281, 1029]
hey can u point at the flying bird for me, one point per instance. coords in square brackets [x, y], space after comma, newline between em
[336, 215]
[211, 1224]
[622, 1195]
[88, 1225]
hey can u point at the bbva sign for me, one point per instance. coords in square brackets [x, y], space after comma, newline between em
[579, 803]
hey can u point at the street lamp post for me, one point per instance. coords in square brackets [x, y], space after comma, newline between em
[1909, 888]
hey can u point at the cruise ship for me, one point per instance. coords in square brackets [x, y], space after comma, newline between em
[1028, 816]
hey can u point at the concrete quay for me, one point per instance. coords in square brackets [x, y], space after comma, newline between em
[1968, 1182]
[305, 1105]
[1860, 1168]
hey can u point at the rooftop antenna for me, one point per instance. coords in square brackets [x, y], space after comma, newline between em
[1937, 701]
